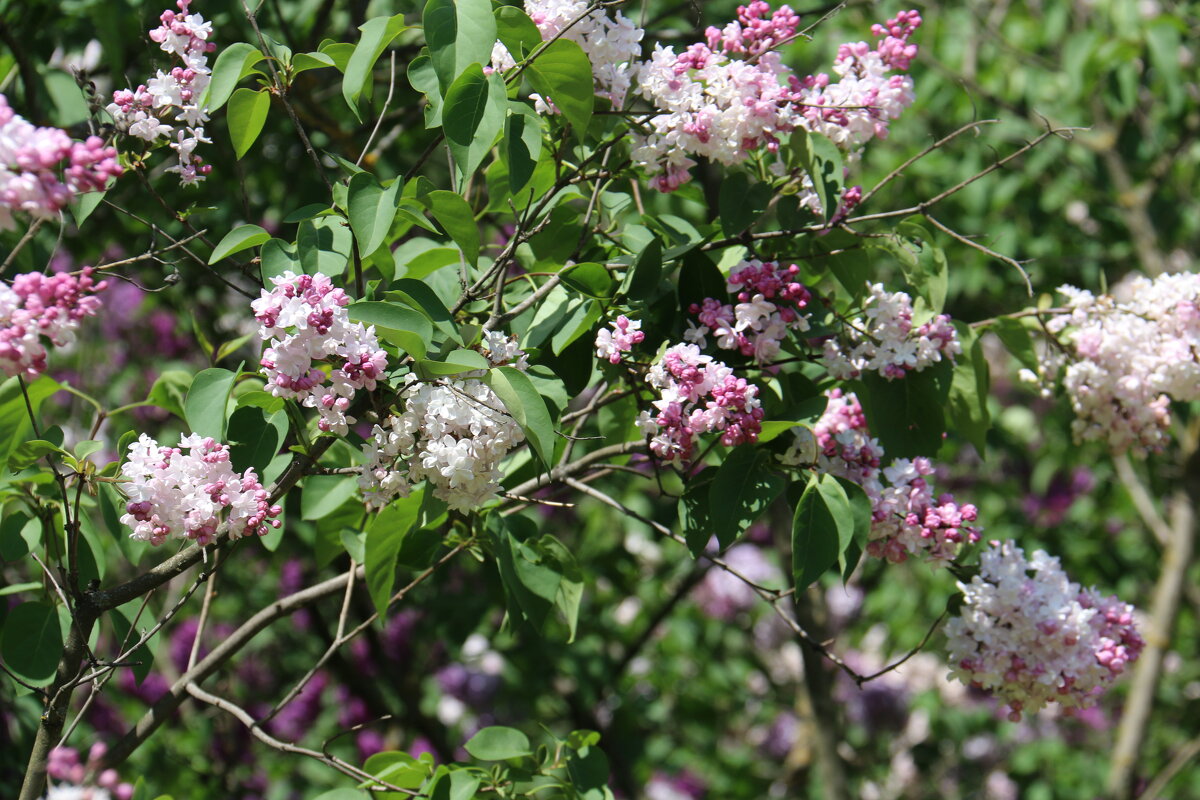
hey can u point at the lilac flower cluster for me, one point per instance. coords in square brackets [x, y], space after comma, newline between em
[31, 160]
[38, 305]
[453, 432]
[770, 304]
[885, 341]
[64, 766]
[304, 321]
[907, 518]
[194, 495]
[624, 335]
[143, 112]
[612, 44]
[1134, 351]
[1033, 637]
[698, 395]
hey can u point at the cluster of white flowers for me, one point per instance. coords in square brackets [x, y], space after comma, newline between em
[453, 432]
[142, 112]
[612, 44]
[907, 518]
[886, 342]
[304, 321]
[193, 495]
[1134, 352]
[1031, 636]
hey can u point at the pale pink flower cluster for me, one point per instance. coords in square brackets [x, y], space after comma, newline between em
[1134, 352]
[698, 395]
[906, 517]
[624, 335]
[723, 595]
[144, 112]
[769, 304]
[37, 306]
[194, 495]
[32, 159]
[304, 321]
[63, 765]
[612, 44]
[717, 106]
[453, 432]
[867, 96]
[885, 341]
[1030, 635]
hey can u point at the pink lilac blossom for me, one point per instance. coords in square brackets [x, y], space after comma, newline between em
[37, 306]
[64, 766]
[624, 335]
[884, 340]
[698, 395]
[453, 432]
[145, 112]
[32, 160]
[304, 321]
[722, 595]
[194, 495]
[1132, 353]
[612, 45]
[1032, 637]
[770, 304]
[907, 517]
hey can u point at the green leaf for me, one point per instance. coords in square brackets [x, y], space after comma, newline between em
[28, 453]
[816, 536]
[398, 769]
[18, 588]
[498, 743]
[240, 238]
[695, 517]
[385, 536]
[821, 159]
[255, 438]
[325, 245]
[85, 203]
[19, 535]
[204, 406]
[741, 202]
[422, 77]
[517, 32]
[522, 142]
[408, 329]
[1016, 340]
[459, 33]
[855, 529]
[234, 63]
[969, 390]
[473, 115]
[371, 209]
[377, 34]
[590, 279]
[526, 406]
[741, 491]
[418, 295]
[457, 219]
[246, 116]
[141, 659]
[562, 73]
[168, 391]
[15, 426]
[32, 642]
[926, 272]
[276, 258]
[456, 362]
[325, 494]
[303, 62]
[907, 413]
[641, 279]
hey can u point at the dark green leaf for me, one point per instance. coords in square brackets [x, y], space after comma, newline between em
[907, 413]
[32, 642]
[642, 277]
[815, 534]
[385, 536]
[473, 115]
[457, 219]
[246, 115]
[742, 201]
[590, 279]
[517, 32]
[522, 143]
[741, 491]
[418, 295]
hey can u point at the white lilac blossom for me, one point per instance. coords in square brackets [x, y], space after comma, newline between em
[698, 395]
[1132, 353]
[453, 432]
[885, 341]
[69, 780]
[769, 305]
[167, 107]
[907, 518]
[193, 495]
[612, 44]
[32, 160]
[304, 321]
[1031, 636]
[37, 306]
[624, 335]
